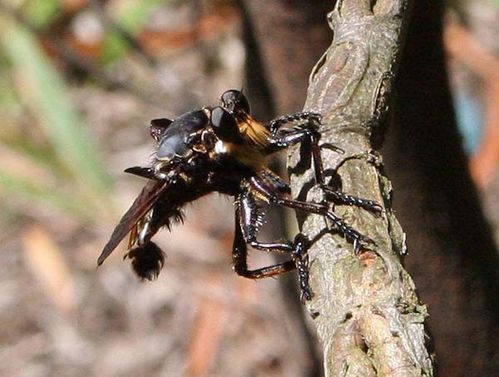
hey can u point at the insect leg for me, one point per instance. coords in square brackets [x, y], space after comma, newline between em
[291, 137]
[301, 246]
[306, 132]
[240, 255]
[347, 231]
[247, 221]
[275, 181]
[343, 198]
[304, 116]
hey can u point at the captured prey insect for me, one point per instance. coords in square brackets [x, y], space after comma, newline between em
[224, 149]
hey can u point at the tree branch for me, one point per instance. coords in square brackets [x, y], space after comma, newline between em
[367, 314]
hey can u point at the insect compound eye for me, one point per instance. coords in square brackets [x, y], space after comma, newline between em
[225, 126]
[234, 100]
[158, 127]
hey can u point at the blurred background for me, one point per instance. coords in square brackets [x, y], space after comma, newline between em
[79, 82]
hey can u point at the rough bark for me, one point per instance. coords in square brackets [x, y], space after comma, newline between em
[424, 159]
[368, 316]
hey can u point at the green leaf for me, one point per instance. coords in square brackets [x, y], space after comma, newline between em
[47, 96]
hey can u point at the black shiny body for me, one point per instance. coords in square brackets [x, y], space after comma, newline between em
[223, 149]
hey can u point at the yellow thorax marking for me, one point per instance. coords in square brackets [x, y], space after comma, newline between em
[254, 131]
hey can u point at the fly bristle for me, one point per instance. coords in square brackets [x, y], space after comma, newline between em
[176, 217]
[147, 260]
[258, 219]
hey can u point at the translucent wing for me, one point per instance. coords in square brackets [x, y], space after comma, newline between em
[144, 202]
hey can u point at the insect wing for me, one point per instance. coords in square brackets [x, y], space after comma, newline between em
[144, 202]
[141, 172]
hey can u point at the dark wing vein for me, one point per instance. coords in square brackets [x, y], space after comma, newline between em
[144, 202]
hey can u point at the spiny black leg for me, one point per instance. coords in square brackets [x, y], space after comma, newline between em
[249, 219]
[304, 116]
[300, 257]
[239, 259]
[307, 130]
[290, 137]
[318, 208]
[317, 159]
[275, 181]
[352, 235]
[246, 232]
[295, 136]
[343, 198]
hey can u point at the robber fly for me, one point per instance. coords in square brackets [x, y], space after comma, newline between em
[224, 149]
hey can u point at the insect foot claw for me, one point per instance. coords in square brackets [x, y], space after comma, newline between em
[377, 209]
[306, 295]
[342, 198]
[147, 260]
[300, 256]
[316, 118]
[362, 243]
[358, 240]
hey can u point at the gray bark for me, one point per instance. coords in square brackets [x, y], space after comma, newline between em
[367, 314]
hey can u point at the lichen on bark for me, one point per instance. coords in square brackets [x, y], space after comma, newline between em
[368, 316]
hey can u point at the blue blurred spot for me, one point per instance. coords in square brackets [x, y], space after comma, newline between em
[469, 116]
